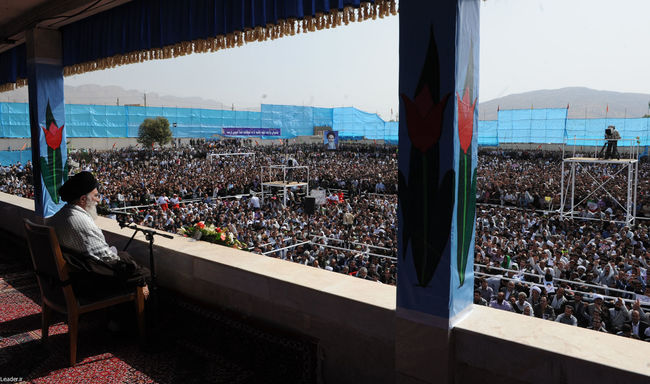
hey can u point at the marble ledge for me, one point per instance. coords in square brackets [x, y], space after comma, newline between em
[574, 342]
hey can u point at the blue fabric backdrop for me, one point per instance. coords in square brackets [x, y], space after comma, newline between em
[516, 126]
[13, 157]
[123, 121]
[552, 126]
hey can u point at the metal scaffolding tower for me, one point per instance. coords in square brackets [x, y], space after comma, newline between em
[588, 163]
[281, 176]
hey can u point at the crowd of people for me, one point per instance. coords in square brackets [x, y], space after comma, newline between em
[533, 180]
[178, 187]
[527, 258]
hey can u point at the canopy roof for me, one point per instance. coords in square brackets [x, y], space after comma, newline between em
[96, 36]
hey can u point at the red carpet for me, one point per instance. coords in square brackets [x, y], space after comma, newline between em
[196, 345]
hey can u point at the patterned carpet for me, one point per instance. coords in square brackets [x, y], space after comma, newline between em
[193, 344]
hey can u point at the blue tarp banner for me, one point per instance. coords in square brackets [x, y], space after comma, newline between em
[14, 157]
[531, 125]
[487, 133]
[552, 126]
[515, 126]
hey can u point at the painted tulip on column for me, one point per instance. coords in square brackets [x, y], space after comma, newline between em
[466, 211]
[54, 172]
[426, 202]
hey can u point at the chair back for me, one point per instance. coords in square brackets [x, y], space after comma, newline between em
[50, 267]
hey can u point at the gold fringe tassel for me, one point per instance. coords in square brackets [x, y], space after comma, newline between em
[289, 27]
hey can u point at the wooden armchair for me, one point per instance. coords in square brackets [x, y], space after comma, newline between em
[52, 272]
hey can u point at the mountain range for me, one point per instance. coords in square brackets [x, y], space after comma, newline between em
[583, 102]
[114, 95]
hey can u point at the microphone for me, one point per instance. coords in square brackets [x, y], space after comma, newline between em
[121, 217]
[119, 213]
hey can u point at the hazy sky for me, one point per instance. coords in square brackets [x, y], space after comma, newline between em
[548, 44]
[353, 65]
[525, 45]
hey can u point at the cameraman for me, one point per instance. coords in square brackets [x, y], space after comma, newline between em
[612, 136]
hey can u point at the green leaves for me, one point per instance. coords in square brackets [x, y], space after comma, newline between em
[53, 172]
[466, 212]
[427, 208]
[154, 131]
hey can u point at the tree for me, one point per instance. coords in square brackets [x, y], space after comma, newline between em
[154, 131]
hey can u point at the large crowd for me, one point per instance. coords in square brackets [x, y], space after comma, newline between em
[533, 180]
[586, 273]
[178, 187]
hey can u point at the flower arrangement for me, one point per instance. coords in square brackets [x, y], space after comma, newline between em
[212, 234]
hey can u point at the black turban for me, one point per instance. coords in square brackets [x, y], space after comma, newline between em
[78, 185]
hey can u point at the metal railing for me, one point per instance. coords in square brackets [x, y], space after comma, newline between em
[632, 147]
[357, 251]
[350, 242]
[287, 247]
[586, 294]
[573, 282]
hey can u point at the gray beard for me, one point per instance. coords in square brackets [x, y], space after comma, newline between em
[91, 208]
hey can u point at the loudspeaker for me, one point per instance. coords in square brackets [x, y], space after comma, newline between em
[310, 205]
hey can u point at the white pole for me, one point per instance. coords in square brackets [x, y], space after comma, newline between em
[636, 183]
[628, 214]
[573, 187]
[562, 197]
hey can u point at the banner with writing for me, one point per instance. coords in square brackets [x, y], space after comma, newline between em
[252, 131]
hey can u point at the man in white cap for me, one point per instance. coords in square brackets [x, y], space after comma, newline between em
[597, 307]
[535, 294]
[97, 268]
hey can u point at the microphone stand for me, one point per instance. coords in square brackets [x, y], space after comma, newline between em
[149, 235]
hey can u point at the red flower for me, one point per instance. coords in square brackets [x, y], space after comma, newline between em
[465, 120]
[53, 135]
[424, 119]
[200, 224]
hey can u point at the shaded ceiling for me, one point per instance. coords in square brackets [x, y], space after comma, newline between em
[18, 16]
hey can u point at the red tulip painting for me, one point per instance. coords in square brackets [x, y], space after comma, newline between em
[53, 135]
[53, 171]
[426, 202]
[424, 119]
[465, 120]
[466, 209]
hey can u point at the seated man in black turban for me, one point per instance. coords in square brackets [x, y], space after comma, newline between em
[97, 268]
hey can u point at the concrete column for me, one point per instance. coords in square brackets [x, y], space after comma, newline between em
[439, 45]
[47, 118]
